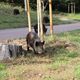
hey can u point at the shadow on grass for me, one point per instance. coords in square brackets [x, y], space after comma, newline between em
[52, 53]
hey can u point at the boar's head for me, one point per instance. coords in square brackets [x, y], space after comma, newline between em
[39, 47]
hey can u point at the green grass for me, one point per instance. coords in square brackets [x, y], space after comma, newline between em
[2, 66]
[77, 72]
[3, 73]
[48, 78]
[72, 36]
[8, 20]
[58, 63]
[74, 16]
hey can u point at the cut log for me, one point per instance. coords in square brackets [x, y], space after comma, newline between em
[8, 51]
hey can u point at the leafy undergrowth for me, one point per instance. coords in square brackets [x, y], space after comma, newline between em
[60, 62]
[8, 20]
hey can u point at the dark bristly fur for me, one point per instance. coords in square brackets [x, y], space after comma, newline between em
[34, 42]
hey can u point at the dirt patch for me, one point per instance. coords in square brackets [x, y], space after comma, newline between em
[49, 48]
[21, 42]
[55, 44]
[36, 67]
[63, 44]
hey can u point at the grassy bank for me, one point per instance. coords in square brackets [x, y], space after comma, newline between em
[60, 62]
[8, 20]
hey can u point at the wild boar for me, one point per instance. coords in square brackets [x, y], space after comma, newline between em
[35, 43]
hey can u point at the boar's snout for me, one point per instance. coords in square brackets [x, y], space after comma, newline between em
[39, 47]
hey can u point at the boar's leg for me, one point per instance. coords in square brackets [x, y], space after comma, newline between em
[34, 50]
[27, 48]
[27, 45]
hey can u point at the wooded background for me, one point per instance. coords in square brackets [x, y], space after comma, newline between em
[58, 5]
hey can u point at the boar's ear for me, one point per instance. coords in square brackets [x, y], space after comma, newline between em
[37, 43]
[43, 42]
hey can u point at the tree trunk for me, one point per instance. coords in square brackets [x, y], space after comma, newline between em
[74, 8]
[38, 18]
[29, 17]
[71, 7]
[50, 11]
[68, 8]
[41, 24]
[25, 6]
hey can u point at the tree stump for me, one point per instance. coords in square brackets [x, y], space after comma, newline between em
[8, 51]
[4, 52]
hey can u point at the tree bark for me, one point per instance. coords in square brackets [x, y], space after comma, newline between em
[38, 18]
[50, 11]
[41, 24]
[25, 6]
[29, 17]
[10, 51]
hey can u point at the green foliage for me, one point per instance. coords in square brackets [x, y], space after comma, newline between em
[60, 5]
[8, 20]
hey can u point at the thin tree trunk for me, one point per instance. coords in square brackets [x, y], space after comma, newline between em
[71, 7]
[38, 18]
[25, 6]
[29, 17]
[74, 8]
[68, 8]
[41, 20]
[50, 11]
